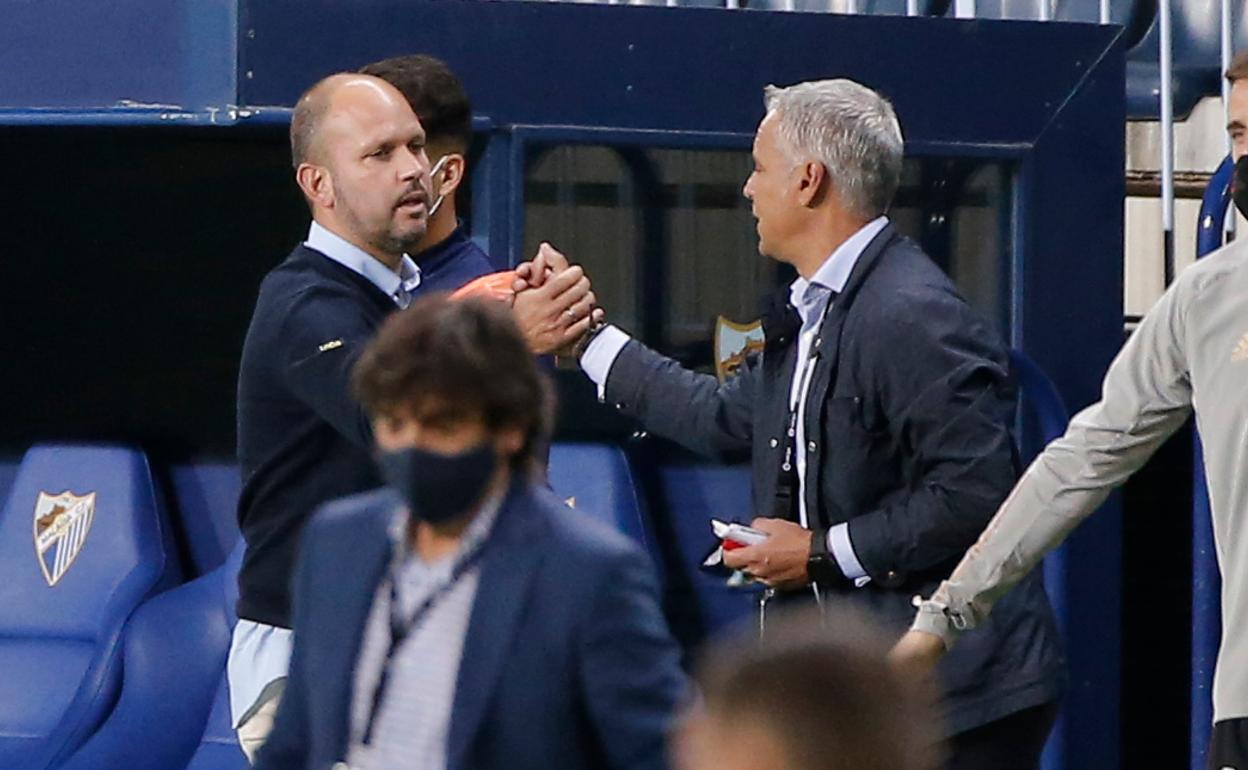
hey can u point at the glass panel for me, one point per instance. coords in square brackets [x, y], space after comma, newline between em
[670, 243]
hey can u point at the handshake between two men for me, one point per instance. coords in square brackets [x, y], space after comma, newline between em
[553, 302]
[557, 309]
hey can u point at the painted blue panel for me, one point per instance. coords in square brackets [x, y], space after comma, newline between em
[1068, 230]
[684, 69]
[71, 55]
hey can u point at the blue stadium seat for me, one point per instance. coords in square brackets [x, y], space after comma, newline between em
[598, 478]
[175, 650]
[205, 503]
[1039, 399]
[1044, 417]
[218, 747]
[1196, 34]
[1089, 11]
[83, 541]
[694, 493]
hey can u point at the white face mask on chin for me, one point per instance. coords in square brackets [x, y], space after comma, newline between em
[433, 172]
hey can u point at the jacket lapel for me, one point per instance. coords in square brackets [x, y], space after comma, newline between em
[347, 616]
[828, 344]
[830, 332]
[508, 566]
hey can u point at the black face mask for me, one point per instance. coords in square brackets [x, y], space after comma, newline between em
[438, 487]
[1239, 185]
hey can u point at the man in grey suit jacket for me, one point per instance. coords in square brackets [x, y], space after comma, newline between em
[877, 418]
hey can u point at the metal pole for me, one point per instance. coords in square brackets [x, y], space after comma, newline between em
[912, 7]
[1167, 141]
[851, 6]
[964, 9]
[1104, 11]
[1045, 12]
[1227, 50]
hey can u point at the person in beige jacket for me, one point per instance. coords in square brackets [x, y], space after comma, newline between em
[1190, 354]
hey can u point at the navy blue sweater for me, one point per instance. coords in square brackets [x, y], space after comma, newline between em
[302, 438]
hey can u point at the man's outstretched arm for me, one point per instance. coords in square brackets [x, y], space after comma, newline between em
[1146, 397]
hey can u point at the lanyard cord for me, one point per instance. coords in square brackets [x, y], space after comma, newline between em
[401, 628]
[788, 484]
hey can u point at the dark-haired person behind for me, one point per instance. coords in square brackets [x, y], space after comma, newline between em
[446, 256]
[463, 617]
[358, 153]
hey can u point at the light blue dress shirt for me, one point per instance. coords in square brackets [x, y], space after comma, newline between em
[397, 286]
[260, 653]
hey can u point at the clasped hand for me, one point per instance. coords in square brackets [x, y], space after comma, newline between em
[554, 303]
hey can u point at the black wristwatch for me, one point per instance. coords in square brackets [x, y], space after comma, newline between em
[821, 567]
[582, 344]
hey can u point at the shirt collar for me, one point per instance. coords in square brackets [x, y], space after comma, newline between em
[478, 529]
[834, 273]
[359, 261]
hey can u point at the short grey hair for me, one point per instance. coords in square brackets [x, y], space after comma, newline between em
[850, 129]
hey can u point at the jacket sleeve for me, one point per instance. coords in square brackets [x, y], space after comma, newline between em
[948, 404]
[1146, 397]
[629, 668]
[324, 335]
[692, 409]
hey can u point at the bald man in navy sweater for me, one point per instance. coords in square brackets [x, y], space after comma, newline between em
[359, 158]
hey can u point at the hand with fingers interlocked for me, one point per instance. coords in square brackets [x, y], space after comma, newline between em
[554, 303]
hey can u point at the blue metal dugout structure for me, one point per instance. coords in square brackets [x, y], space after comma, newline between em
[1206, 579]
[1043, 100]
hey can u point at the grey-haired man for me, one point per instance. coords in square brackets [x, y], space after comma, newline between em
[877, 417]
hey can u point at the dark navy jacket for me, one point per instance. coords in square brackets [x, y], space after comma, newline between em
[567, 660]
[302, 438]
[909, 422]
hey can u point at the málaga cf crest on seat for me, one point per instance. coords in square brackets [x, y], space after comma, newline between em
[61, 526]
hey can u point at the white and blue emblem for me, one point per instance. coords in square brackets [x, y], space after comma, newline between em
[734, 342]
[61, 526]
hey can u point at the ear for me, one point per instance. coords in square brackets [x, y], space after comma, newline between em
[812, 184]
[452, 173]
[316, 183]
